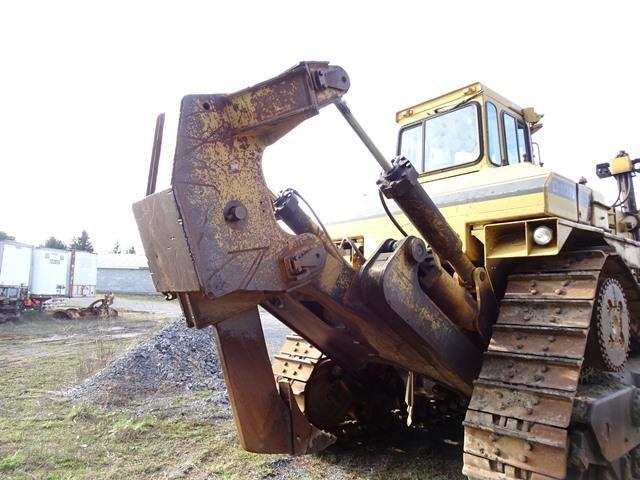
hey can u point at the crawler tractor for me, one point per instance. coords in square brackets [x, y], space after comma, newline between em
[492, 289]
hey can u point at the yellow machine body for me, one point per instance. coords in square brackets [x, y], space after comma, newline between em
[493, 206]
[508, 283]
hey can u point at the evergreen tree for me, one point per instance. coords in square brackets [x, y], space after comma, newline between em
[82, 242]
[53, 242]
[116, 248]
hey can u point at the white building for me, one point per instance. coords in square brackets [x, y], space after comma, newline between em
[124, 273]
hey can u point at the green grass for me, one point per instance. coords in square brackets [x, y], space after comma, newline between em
[11, 462]
[44, 436]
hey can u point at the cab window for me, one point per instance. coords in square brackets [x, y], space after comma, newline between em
[444, 140]
[510, 138]
[515, 139]
[493, 134]
[452, 138]
[411, 145]
[522, 145]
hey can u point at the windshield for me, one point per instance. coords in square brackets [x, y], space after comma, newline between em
[452, 139]
[446, 140]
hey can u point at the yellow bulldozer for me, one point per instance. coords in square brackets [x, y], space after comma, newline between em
[489, 288]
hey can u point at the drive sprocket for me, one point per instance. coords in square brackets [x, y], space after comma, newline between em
[610, 327]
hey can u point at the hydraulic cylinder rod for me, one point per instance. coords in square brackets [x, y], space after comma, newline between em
[351, 120]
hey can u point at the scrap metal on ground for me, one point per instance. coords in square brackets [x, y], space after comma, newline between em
[101, 308]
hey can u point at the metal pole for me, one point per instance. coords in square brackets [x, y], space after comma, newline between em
[155, 155]
[351, 120]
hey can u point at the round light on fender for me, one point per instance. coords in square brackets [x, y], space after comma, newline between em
[542, 235]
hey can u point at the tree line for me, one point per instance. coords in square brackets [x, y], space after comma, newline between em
[82, 242]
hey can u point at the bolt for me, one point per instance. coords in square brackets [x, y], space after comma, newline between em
[545, 368]
[526, 318]
[566, 283]
[533, 291]
[545, 348]
[559, 291]
[236, 213]
[520, 346]
[417, 250]
[551, 338]
[496, 451]
[538, 378]
[499, 394]
[523, 458]
[558, 310]
[528, 447]
[529, 410]
[535, 401]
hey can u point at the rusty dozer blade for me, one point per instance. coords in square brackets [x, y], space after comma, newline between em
[213, 241]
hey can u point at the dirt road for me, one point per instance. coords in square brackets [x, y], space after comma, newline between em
[274, 331]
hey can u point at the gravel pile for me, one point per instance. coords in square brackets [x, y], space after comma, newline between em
[176, 359]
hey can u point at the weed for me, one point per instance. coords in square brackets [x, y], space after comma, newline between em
[95, 359]
[12, 462]
[84, 411]
[127, 429]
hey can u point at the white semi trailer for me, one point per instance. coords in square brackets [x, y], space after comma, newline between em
[33, 275]
[49, 272]
[15, 271]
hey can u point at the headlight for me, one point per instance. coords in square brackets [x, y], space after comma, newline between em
[542, 235]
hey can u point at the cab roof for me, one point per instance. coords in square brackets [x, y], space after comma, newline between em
[451, 99]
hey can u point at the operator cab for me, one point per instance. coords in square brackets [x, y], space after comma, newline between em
[464, 131]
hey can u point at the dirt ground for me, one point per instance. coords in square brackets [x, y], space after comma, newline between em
[181, 435]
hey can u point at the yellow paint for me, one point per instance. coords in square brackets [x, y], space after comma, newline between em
[474, 196]
[621, 164]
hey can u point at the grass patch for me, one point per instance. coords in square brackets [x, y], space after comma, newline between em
[131, 428]
[95, 359]
[44, 436]
[11, 462]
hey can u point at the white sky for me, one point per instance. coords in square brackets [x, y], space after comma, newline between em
[81, 84]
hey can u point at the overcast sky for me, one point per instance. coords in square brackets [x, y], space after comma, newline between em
[81, 84]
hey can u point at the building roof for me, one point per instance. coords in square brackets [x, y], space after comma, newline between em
[123, 260]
